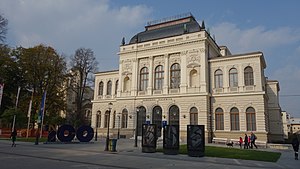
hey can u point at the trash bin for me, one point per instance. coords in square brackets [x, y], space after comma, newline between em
[113, 145]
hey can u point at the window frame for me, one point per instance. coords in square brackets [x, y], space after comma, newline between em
[233, 77]
[158, 77]
[248, 76]
[219, 115]
[175, 72]
[144, 78]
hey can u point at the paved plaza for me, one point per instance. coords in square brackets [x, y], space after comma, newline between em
[92, 156]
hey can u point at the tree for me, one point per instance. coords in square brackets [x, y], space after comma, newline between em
[3, 28]
[43, 70]
[83, 65]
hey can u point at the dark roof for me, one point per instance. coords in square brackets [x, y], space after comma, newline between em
[167, 31]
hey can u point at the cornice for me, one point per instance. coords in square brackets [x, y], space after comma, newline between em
[163, 46]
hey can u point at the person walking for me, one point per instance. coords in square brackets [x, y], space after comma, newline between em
[249, 142]
[241, 142]
[295, 144]
[13, 137]
[253, 138]
[246, 141]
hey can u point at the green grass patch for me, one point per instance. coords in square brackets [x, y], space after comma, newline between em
[245, 154]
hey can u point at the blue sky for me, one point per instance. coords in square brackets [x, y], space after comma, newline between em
[272, 27]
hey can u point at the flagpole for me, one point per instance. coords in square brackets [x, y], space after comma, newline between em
[29, 114]
[40, 117]
[17, 100]
[43, 113]
[1, 92]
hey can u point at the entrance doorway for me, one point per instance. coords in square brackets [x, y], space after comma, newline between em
[157, 119]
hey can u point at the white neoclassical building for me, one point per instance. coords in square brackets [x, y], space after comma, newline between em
[175, 73]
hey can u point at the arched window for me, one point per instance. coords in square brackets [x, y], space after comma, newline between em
[175, 76]
[248, 76]
[234, 119]
[106, 119]
[193, 116]
[88, 116]
[126, 84]
[194, 79]
[114, 119]
[233, 77]
[219, 119]
[250, 118]
[174, 115]
[124, 118]
[109, 86]
[100, 92]
[144, 79]
[116, 87]
[159, 77]
[141, 119]
[218, 78]
[98, 119]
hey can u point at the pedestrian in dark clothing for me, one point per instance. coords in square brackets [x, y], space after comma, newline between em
[246, 142]
[13, 137]
[295, 144]
[253, 138]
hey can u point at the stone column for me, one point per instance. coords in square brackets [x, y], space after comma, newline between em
[204, 71]
[150, 80]
[134, 80]
[166, 75]
[183, 75]
[120, 86]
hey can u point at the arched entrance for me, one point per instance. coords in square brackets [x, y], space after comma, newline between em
[157, 119]
[141, 119]
[174, 115]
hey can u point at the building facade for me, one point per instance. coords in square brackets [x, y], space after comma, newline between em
[175, 73]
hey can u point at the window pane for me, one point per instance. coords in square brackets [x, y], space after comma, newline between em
[100, 89]
[109, 86]
[248, 76]
[218, 79]
[175, 76]
[159, 77]
[233, 78]
[144, 79]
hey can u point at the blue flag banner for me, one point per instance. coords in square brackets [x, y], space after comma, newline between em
[42, 109]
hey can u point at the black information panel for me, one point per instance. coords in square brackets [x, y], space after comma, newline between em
[195, 140]
[171, 139]
[149, 138]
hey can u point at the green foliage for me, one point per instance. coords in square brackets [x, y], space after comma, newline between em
[7, 117]
[35, 70]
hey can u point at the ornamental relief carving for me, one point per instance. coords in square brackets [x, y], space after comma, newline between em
[193, 65]
[202, 50]
[159, 60]
[127, 65]
[174, 58]
[144, 62]
[193, 58]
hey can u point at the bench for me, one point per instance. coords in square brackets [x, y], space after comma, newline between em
[219, 140]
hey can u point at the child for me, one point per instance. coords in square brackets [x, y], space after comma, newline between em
[241, 142]
[13, 137]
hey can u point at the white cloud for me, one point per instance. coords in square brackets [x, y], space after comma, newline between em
[70, 24]
[255, 38]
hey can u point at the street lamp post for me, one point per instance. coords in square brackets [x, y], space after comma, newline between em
[136, 126]
[107, 135]
[97, 121]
